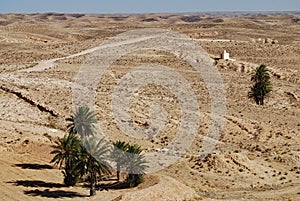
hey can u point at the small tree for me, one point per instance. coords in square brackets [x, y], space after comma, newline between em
[118, 155]
[136, 164]
[66, 152]
[262, 85]
[93, 159]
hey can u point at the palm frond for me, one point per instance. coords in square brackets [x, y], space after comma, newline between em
[83, 122]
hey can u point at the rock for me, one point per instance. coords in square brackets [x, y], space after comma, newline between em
[268, 40]
[292, 96]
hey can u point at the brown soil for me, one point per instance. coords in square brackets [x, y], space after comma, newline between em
[258, 154]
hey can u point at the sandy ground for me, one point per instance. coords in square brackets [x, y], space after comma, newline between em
[257, 157]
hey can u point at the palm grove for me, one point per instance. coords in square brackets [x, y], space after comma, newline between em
[84, 158]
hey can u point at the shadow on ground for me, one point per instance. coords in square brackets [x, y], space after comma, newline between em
[53, 194]
[36, 183]
[113, 186]
[33, 166]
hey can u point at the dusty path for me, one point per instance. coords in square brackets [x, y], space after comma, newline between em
[50, 63]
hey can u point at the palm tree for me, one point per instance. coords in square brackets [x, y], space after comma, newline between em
[83, 122]
[136, 165]
[262, 85]
[94, 161]
[66, 153]
[118, 154]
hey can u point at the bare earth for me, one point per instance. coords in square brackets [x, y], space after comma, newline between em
[258, 153]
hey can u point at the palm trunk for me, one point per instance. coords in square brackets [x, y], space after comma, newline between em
[118, 171]
[131, 180]
[92, 187]
[262, 101]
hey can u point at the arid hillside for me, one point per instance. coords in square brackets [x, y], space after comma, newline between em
[257, 156]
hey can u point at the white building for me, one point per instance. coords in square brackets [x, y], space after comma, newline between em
[225, 56]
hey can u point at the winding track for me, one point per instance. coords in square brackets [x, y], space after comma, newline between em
[14, 79]
[50, 63]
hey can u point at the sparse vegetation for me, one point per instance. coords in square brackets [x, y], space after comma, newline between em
[262, 141]
[80, 160]
[88, 158]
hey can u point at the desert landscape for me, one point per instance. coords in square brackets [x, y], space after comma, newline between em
[257, 156]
